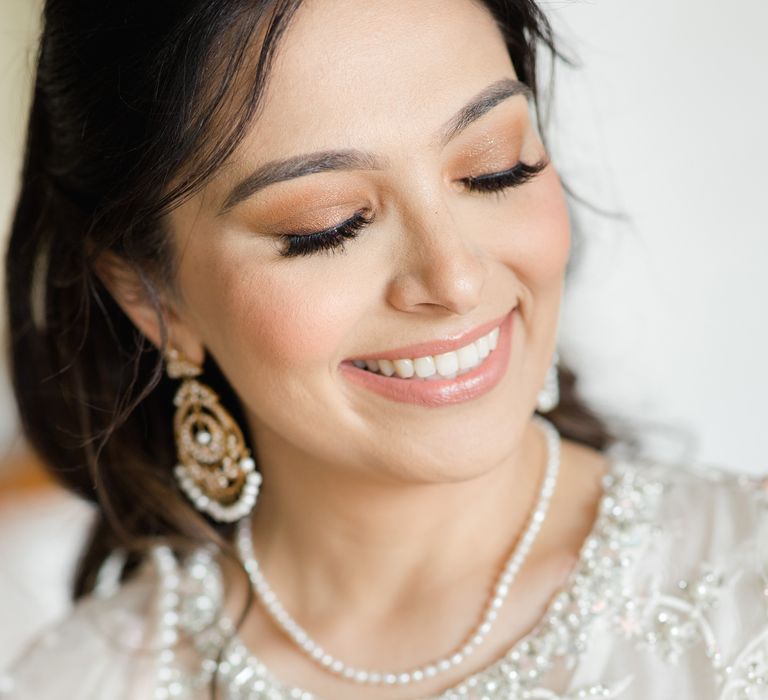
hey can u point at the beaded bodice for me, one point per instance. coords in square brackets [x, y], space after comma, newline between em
[599, 590]
[668, 599]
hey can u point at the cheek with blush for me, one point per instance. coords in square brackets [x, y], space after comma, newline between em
[542, 228]
[273, 321]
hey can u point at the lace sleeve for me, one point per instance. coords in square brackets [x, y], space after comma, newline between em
[691, 622]
[102, 650]
[745, 668]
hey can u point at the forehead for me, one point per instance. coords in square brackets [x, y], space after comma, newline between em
[348, 71]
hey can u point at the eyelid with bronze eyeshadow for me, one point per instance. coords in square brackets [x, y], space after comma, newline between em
[333, 239]
[517, 175]
[328, 239]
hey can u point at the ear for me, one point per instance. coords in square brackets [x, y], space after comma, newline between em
[131, 292]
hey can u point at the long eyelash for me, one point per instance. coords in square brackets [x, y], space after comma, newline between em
[328, 240]
[495, 183]
[333, 239]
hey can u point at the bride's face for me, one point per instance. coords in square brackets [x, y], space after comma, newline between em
[406, 101]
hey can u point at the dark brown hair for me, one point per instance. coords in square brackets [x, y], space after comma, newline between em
[121, 130]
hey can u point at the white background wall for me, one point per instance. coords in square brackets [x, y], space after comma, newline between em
[666, 122]
[17, 31]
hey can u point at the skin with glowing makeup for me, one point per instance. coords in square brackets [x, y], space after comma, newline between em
[382, 523]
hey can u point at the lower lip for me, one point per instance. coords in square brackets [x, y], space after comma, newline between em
[440, 392]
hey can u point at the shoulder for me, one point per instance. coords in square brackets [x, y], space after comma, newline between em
[692, 614]
[101, 649]
[155, 635]
[708, 523]
[714, 514]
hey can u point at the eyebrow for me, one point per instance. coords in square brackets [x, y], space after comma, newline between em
[354, 159]
[481, 103]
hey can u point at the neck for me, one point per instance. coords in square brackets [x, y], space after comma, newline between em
[326, 534]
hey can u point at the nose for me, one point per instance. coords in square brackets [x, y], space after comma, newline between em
[439, 265]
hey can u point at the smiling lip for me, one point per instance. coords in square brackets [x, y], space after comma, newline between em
[436, 347]
[441, 392]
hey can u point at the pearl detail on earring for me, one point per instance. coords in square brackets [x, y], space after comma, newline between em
[224, 513]
[215, 469]
[549, 396]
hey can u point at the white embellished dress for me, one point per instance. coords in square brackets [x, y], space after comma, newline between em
[668, 601]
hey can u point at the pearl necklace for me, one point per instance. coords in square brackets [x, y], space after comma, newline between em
[501, 590]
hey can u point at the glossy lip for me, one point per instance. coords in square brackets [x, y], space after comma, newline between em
[441, 392]
[436, 347]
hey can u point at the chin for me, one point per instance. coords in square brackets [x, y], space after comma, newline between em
[453, 461]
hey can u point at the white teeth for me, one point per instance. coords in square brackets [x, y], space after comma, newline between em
[424, 366]
[468, 357]
[404, 368]
[482, 347]
[386, 367]
[447, 365]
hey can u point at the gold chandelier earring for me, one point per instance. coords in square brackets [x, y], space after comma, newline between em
[215, 469]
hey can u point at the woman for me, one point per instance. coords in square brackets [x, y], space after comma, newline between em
[284, 284]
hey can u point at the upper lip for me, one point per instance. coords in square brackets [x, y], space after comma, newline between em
[447, 343]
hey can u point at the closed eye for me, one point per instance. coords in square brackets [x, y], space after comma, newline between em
[333, 239]
[515, 176]
[327, 240]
